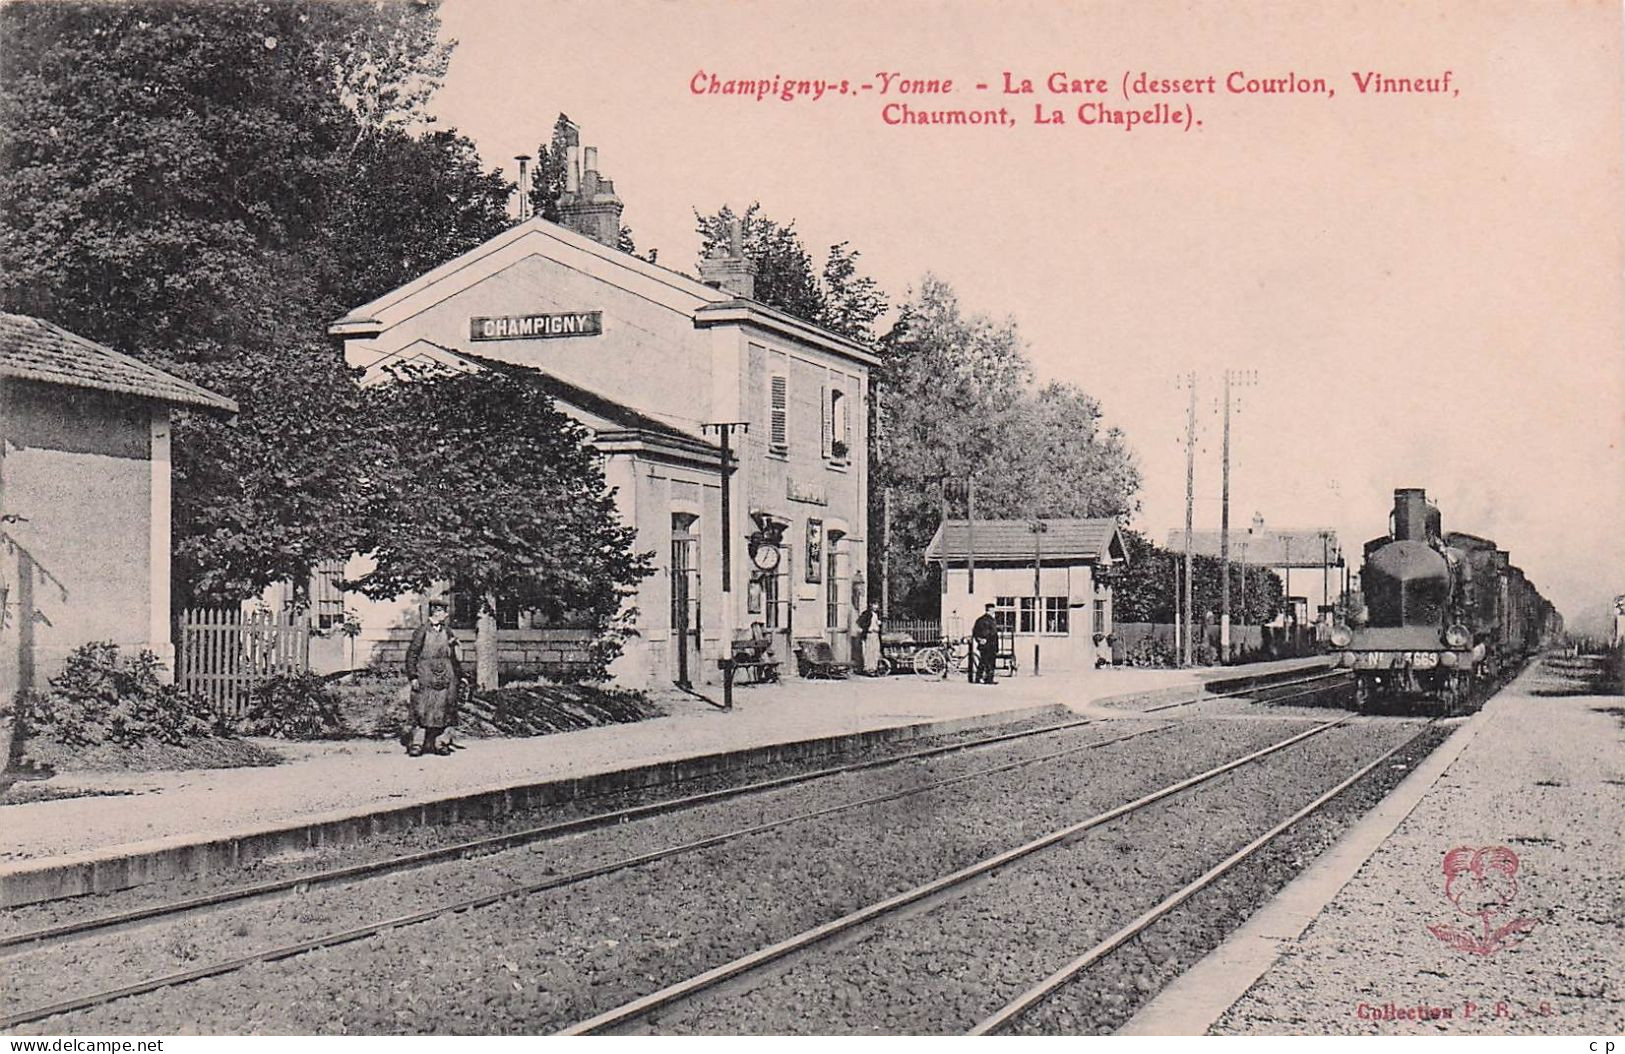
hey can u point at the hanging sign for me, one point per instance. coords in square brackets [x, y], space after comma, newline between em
[533, 327]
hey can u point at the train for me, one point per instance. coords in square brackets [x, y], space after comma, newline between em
[1445, 615]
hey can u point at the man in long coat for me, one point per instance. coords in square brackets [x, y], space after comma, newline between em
[984, 634]
[433, 672]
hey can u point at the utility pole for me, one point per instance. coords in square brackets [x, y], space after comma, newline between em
[1238, 378]
[725, 430]
[1190, 511]
[970, 532]
[885, 551]
[1038, 529]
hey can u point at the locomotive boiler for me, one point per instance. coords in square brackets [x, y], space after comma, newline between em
[1444, 613]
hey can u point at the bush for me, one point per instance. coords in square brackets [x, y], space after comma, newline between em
[100, 697]
[1149, 651]
[294, 706]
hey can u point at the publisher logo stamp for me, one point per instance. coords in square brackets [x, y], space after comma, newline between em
[1482, 884]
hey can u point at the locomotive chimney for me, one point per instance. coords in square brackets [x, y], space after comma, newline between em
[1410, 514]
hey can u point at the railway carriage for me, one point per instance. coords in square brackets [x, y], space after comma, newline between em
[1445, 613]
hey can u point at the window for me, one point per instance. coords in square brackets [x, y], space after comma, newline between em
[837, 427]
[1025, 623]
[465, 611]
[327, 594]
[1100, 617]
[778, 414]
[1004, 614]
[1055, 615]
[815, 551]
[770, 601]
[832, 582]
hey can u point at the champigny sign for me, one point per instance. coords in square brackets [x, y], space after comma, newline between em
[531, 327]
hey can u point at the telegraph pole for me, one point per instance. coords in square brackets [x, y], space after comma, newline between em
[1190, 510]
[970, 531]
[1224, 519]
[885, 551]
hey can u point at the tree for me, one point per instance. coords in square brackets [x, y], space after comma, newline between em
[842, 300]
[947, 397]
[1143, 590]
[206, 186]
[1072, 467]
[495, 490]
[954, 399]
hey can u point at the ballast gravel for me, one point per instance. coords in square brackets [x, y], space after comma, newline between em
[542, 962]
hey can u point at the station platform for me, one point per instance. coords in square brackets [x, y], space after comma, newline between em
[132, 828]
[1369, 940]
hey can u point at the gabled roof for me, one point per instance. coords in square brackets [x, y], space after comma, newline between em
[706, 305]
[36, 350]
[614, 424]
[1264, 548]
[1013, 540]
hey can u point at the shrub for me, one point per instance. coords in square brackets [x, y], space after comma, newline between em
[294, 706]
[100, 697]
[1149, 651]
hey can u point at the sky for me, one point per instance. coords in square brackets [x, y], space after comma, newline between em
[1429, 287]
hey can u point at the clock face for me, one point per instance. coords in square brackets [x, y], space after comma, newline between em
[766, 557]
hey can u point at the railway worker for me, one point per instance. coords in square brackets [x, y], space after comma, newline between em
[869, 625]
[433, 673]
[984, 654]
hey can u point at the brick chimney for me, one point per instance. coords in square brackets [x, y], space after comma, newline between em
[589, 203]
[729, 270]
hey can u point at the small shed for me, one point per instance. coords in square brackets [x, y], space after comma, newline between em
[84, 498]
[1043, 578]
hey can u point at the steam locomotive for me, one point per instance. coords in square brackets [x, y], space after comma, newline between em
[1445, 614]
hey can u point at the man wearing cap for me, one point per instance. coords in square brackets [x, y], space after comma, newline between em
[433, 673]
[984, 634]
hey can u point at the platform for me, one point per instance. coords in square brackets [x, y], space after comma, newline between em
[153, 825]
[1350, 947]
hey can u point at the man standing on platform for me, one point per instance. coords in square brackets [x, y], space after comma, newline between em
[984, 647]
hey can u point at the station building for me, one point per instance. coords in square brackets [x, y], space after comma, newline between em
[647, 358]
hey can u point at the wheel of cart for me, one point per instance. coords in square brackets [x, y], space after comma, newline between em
[929, 662]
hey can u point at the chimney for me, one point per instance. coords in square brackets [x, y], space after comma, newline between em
[1410, 514]
[591, 207]
[729, 270]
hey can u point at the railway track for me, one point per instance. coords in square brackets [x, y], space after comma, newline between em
[782, 956]
[345, 936]
[47, 938]
[915, 900]
[11, 944]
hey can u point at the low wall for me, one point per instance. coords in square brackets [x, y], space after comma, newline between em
[557, 653]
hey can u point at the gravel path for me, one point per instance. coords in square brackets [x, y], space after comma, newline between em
[1543, 777]
[543, 962]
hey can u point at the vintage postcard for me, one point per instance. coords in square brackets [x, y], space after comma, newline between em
[705, 518]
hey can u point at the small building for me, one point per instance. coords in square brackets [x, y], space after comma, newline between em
[1314, 552]
[84, 498]
[650, 357]
[1044, 578]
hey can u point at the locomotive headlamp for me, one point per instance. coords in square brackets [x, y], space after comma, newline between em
[1457, 636]
[1341, 636]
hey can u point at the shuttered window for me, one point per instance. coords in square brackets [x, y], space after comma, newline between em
[778, 414]
[824, 429]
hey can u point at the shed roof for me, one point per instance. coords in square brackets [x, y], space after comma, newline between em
[1265, 548]
[36, 350]
[1012, 540]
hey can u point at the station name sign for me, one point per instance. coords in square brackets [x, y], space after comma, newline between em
[532, 327]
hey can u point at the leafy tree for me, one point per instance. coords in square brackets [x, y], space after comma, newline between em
[947, 396]
[954, 399]
[1143, 591]
[493, 489]
[206, 186]
[284, 487]
[1072, 467]
[842, 300]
